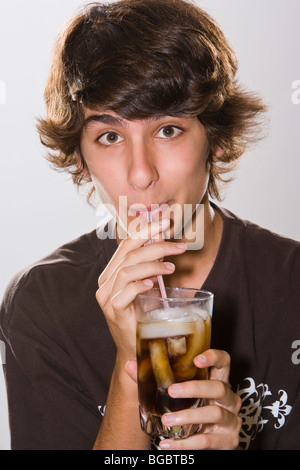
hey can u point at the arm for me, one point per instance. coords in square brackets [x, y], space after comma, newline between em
[128, 274]
[120, 428]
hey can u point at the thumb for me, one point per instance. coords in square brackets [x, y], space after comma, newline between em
[131, 369]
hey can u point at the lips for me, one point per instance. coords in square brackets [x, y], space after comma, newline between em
[142, 210]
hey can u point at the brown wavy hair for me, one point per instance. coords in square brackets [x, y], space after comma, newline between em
[146, 58]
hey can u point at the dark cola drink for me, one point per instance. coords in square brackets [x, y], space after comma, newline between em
[165, 352]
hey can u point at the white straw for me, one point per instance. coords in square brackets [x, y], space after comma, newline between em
[159, 278]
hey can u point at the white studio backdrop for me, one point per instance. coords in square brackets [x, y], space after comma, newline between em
[39, 207]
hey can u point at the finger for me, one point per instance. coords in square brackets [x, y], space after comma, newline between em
[135, 259]
[131, 369]
[204, 441]
[212, 389]
[218, 361]
[129, 274]
[210, 414]
[136, 240]
[153, 252]
[209, 389]
[122, 300]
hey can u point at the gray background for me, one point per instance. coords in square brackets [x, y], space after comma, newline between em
[39, 207]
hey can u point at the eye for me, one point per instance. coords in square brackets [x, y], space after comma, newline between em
[110, 138]
[169, 132]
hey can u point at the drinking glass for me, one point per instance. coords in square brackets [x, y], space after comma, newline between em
[171, 332]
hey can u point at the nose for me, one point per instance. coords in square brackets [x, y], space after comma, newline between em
[142, 171]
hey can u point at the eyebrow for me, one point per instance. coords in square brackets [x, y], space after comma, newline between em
[104, 119]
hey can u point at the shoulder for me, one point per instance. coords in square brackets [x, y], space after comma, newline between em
[270, 260]
[57, 276]
[76, 254]
[261, 241]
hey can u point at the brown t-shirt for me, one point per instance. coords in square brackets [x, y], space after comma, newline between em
[60, 354]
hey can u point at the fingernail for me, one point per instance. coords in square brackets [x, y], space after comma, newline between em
[168, 419]
[181, 246]
[200, 359]
[164, 223]
[175, 389]
[148, 283]
[170, 266]
[164, 445]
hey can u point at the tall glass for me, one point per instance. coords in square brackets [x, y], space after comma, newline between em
[170, 334]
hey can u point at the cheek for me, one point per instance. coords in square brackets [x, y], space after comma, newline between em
[105, 179]
[191, 174]
[191, 166]
[108, 186]
[99, 168]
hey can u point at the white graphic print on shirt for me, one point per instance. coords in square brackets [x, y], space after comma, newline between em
[253, 398]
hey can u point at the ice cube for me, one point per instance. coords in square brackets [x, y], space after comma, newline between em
[195, 309]
[160, 364]
[176, 346]
[145, 370]
[207, 333]
[184, 367]
[171, 313]
[164, 329]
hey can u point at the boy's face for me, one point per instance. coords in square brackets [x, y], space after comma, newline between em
[161, 161]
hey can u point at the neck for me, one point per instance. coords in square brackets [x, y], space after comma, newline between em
[193, 267]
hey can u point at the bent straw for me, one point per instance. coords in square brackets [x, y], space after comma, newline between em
[159, 278]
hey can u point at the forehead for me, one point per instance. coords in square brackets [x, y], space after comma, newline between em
[107, 117]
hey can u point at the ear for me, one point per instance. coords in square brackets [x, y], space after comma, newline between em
[81, 163]
[218, 151]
